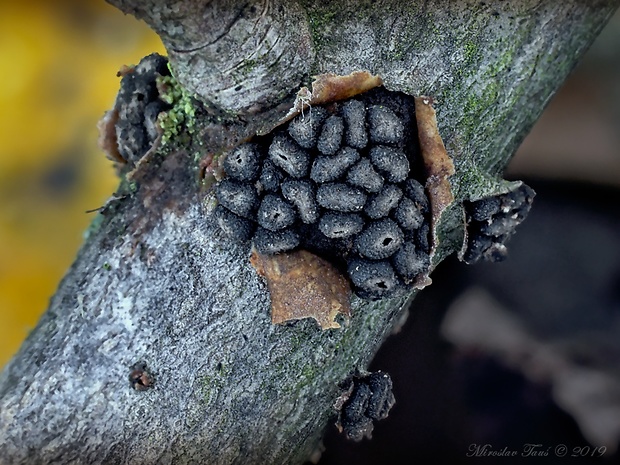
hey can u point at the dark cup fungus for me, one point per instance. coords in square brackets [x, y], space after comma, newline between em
[492, 220]
[343, 181]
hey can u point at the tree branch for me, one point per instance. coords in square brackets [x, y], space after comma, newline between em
[156, 282]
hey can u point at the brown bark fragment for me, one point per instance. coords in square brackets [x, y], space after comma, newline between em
[303, 285]
[437, 162]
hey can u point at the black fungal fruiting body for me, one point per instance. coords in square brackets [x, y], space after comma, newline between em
[344, 181]
[140, 378]
[138, 105]
[491, 221]
[368, 398]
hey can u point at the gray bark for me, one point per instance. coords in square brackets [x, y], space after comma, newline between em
[155, 281]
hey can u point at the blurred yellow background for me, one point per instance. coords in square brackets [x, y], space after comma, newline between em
[58, 65]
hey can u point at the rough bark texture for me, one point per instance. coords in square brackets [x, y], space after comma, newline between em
[155, 281]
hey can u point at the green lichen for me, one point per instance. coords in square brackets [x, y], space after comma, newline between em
[169, 90]
[471, 50]
[248, 66]
[320, 21]
[480, 103]
[502, 62]
[181, 118]
[472, 183]
[125, 189]
[212, 384]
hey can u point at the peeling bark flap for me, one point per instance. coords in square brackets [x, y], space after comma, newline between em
[302, 285]
[330, 87]
[438, 164]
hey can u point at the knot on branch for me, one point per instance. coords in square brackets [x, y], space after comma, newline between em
[239, 58]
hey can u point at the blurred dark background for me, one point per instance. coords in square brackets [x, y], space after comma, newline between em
[523, 355]
[526, 351]
[522, 352]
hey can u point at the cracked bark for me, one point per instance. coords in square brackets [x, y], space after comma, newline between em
[156, 283]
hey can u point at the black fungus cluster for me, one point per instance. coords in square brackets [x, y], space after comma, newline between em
[343, 181]
[370, 400]
[492, 220]
[137, 105]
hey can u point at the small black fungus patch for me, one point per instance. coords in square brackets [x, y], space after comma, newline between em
[140, 378]
[367, 399]
[344, 181]
[491, 221]
[372, 279]
[138, 105]
[243, 163]
[381, 204]
[336, 225]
